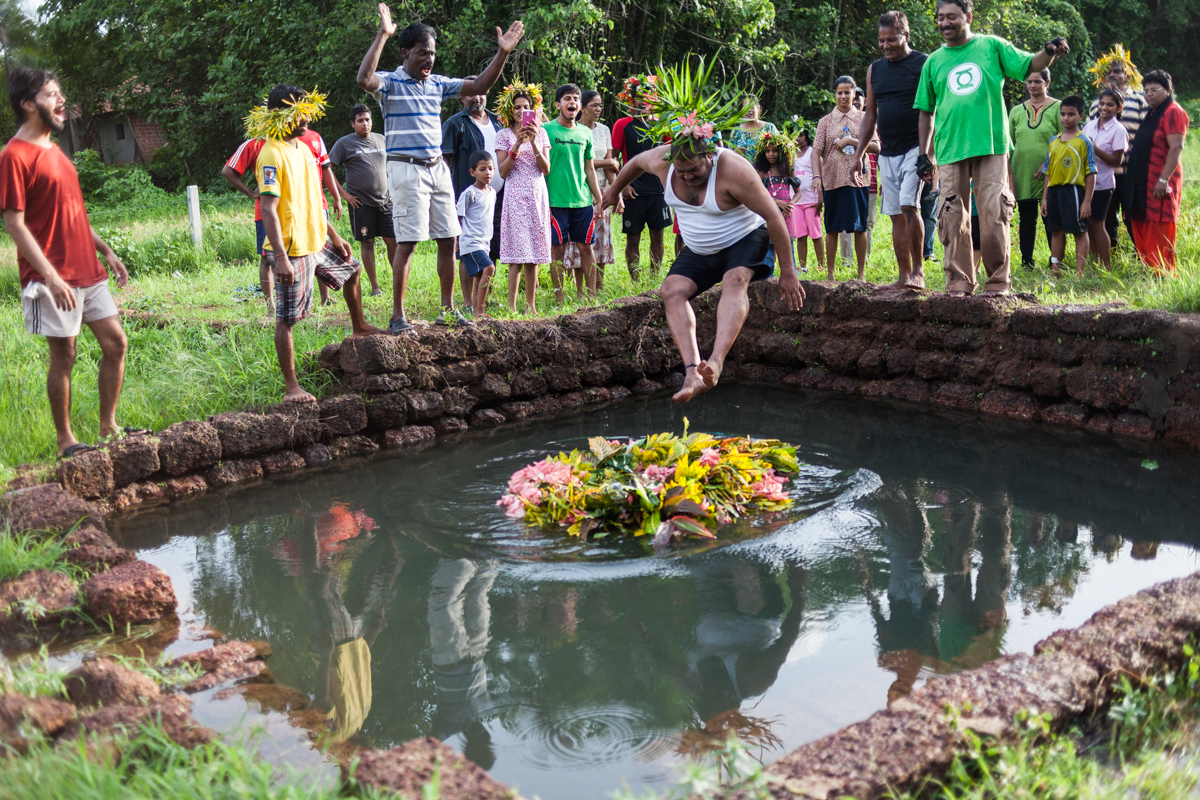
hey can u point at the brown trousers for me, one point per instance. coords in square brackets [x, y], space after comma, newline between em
[995, 204]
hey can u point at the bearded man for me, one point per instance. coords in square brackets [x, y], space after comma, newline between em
[474, 128]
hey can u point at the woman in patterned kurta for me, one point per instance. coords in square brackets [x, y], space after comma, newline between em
[523, 154]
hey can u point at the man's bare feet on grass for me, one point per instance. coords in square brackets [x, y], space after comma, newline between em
[366, 330]
[702, 378]
[298, 395]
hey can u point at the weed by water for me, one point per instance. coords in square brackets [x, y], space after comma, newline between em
[32, 675]
[23, 551]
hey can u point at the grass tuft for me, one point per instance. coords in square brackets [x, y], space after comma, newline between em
[24, 551]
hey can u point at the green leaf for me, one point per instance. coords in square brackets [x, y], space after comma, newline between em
[1149, 464]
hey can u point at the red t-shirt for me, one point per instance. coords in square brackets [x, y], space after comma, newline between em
[42, 182]
[244, 158]
[1174, 120]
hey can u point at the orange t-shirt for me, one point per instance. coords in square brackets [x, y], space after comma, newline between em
[42, 182]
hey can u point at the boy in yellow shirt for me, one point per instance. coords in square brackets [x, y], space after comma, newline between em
[1070, 170]
[296, 226]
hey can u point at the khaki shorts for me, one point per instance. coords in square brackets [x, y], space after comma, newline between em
[422, 202]
[43, 318]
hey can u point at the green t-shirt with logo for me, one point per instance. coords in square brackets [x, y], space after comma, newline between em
[567, 181]
[963, 87]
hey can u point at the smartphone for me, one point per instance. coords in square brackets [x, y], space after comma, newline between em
[528, 116]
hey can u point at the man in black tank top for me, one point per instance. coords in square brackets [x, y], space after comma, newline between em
[891, 91]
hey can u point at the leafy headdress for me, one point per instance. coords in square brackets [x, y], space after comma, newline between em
[638, 87]
[688, 108]
[504, 103]
[1118, 55]
[276, 123]
[783, 140]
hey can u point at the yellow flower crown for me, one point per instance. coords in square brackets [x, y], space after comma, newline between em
[1117, 55]
[504, 103]
[267, 123]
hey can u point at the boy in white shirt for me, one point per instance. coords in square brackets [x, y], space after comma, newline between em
[475, 208]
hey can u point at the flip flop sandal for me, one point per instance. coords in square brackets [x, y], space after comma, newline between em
[74, 450]
[135, 431]
[400, 325]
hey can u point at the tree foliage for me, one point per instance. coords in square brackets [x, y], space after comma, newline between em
[197, 66]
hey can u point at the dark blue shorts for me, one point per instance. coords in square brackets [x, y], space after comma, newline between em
[475, 261]
[260, 234]
[1062, 209]
[572, 225]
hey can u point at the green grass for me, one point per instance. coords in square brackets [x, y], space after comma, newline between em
[24, 551]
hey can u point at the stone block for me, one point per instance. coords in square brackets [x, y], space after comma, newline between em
[350, 446]
[170, 714]
[457, 401]
[1183, 425]
[1101, 423]
[1068, 415]
[464, 372]
[647, 387]
[104, 682]
[875, 389]
[936, 367]
[562, 379]
[486, 418]
[1131, 324]
[517, 409]
[1036, 322]
[387, 383]
[223, 654]
[1120, 354]
[597, 394]
[23, 718]
[1008, 403]
[371, 355]
[403, 771]
[387, 411]
[245, 434]
[129, 594]
[87, 475]
[234, 471]
[343, 415]
[304, 419]
[624, 370]
[315, 455]
[1012, 372]
[186, 486]
[139, 496]
[447, 425]
[1081, 320]
[845, 385]
[901, 360]
[912, 390]
[779, 348]
[492, 389]
[36, 597]
[282, 462]
[956, 395]
[568, 400]
[328, 358]
[94, 558]
[528, 384]
[1104, 388]
[423, 406]
[814, 378]
[426, 376]
[842, 355]
[48, 507]
[873, 363]
[1133, 425]
[134, 458]
[963, 340]
[407, 436]
[597, 374]
[88, 536]
[1049, 382]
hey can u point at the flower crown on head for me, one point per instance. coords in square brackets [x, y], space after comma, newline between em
[783, 140]
[687, 108]
[504, 103]
[1118, 55]
[638, 86]
[277, 123]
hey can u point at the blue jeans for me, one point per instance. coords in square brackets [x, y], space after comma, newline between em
[928, 205]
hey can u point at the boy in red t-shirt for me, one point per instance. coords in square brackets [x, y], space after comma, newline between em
[63, 285]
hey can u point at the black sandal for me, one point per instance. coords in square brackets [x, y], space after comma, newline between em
[74, 450]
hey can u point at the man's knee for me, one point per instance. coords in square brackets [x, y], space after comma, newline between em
[676, 290]
[62, 352]
[738, 279]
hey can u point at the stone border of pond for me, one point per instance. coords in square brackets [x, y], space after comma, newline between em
[1109, 369]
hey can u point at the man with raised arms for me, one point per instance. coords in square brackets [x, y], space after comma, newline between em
[728, 219]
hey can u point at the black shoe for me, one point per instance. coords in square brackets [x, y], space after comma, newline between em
[398, 326]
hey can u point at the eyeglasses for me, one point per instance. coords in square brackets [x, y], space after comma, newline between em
[1153, 88]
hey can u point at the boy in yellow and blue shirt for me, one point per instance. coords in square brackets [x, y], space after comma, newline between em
[1070, 169]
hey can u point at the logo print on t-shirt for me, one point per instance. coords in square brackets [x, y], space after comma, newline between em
[269, 176]
[965, 78]
[1068, 162]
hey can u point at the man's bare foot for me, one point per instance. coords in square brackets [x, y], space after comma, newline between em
[298, 395]
[366, 330]
[996, 293]
[956, 294]
[531, 311]
[697, 381]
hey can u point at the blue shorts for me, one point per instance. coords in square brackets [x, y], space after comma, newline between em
[475, 261]
[260, 234]
[572, 225]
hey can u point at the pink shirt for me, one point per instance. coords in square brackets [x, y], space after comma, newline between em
[803, 170]
[1111, 138]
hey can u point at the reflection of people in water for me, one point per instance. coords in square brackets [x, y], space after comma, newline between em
[750, 617]
[459, 632]
[321, 555]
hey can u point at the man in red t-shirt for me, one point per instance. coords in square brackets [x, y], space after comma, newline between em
[243, 161]
[63, 285]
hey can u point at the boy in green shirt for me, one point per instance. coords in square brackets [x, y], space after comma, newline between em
[963, 82]
[571, 177]
[1070, 169]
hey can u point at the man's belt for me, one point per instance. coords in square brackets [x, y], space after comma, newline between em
[420, 162]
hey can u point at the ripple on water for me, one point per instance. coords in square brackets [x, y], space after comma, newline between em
[590, 735]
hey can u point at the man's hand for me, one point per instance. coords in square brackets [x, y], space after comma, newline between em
[254, 194]
[1057, 47]
[509, 39]
[790, 289]
[620, 207]
[628, 192]
[386, 26]
[611, 199]
[342, 246]
[1161, 190]
[1085, 209]
[855, 170]
[925, 167]
[337, 207]
[1045, 211]
[283, 270]
[63, 295]
[1040, 174]
[352, 201]
[117, 267]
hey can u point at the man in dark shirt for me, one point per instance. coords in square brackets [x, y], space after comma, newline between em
[472, 129]
[891, 91]
[363, 155]
[645, 206]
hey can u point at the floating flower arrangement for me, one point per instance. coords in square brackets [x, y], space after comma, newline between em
[665, 486]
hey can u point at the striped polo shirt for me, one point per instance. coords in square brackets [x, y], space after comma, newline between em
[412, 111]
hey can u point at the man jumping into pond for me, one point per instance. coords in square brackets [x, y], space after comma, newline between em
[727, 217]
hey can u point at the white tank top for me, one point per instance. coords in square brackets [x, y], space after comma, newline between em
[706, 228]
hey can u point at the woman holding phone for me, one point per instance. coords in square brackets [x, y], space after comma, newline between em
[523, 160]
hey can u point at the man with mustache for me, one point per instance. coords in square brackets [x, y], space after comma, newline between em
[422, 191]
[470, 130]
[63, 285]
[963, 82]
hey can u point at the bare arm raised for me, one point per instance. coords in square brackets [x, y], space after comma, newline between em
[366, 70]
[506, 41]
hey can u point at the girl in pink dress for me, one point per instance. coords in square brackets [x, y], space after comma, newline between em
[806, 212]
[523, 160]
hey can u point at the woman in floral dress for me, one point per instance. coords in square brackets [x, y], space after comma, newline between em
[523, 160]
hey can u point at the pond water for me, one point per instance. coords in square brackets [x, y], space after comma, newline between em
[398, 597]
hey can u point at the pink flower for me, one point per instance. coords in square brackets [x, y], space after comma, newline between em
[710, 457]
[657, 474]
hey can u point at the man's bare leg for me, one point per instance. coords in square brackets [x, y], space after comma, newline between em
[445, 270]
[586, 274]
[367, 252]
[831, 251]
[113, 346]
[914, 230]
[401, 264]
[352, 293]
[860, 253]
[58, 388]
[324, 293]
[656, 250]
[464, 281]
[681, 319]
[266, 282]
[285, 350]
[676, 293]
[633, 254]
[679, 244]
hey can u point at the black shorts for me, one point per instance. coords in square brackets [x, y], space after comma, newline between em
[371, 222]
[707, 271]
[572, 225]
[1101, 198]
[645, 211]
[1062, 209]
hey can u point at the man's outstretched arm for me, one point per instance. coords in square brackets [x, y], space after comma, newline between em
[505, 42]
[746, 188]
[367, 78]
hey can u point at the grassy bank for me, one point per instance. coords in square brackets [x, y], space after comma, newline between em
[203, 343]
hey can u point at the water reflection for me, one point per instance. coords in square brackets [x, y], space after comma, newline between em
[388, 594]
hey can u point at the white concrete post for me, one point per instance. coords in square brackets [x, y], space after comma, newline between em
[193, 198]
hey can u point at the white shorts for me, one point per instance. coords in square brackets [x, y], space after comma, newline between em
[422, 201]
[43, 318]
[898, 182]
